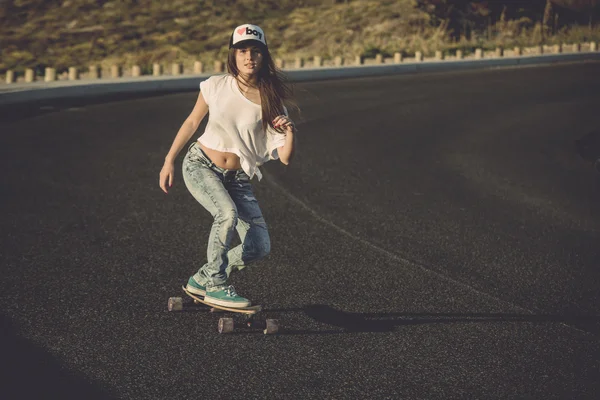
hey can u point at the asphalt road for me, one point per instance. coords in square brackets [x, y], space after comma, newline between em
[437, 237]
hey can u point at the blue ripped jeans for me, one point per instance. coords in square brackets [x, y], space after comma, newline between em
[228, 196]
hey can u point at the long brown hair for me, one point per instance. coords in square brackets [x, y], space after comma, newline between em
[274, 87]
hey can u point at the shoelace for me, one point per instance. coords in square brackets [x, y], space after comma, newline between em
[230, 291]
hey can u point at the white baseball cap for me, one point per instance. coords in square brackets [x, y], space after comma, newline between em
[247, 32]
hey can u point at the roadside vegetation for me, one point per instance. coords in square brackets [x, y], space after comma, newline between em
[63, 33]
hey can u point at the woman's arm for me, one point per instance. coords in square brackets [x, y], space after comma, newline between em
[188, 128]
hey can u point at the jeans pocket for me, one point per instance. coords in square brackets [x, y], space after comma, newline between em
[196, 155]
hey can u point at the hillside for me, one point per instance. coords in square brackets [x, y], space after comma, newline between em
[63, 33]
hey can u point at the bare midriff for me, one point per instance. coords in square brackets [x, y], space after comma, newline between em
[222, 159]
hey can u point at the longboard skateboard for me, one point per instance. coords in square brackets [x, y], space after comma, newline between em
[226, 325]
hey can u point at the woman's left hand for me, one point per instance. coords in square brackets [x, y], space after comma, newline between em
[284, 123]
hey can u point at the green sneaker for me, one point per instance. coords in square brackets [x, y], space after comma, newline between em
[195, 288]
[226, 297]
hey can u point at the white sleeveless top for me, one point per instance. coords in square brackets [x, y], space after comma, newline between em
[235, 125]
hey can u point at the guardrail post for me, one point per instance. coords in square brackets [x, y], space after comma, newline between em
[439, 55]
[418, 56]
[10, 76]
[136, 71]
[478, 54]
[279, 63]
[338, 61]
[518, 51]
[176, 69]
[397, 57]
[156, 69]
[358, 60]
[29, 75]
[73, 73]
[115, 71]
[299, 62]
[93, 72]
[198, 67]
[378, 59]
[577, 47]
[218, 66]
[459, 54]
[499, 52]
[317, 61]
[593, 46]
[557, 49]
[50, 75]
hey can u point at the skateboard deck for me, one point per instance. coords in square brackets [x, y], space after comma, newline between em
[246, 310]
[226, 325]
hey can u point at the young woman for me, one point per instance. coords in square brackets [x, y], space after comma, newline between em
[247, 126]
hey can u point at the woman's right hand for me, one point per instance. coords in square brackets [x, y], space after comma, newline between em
[166, 176]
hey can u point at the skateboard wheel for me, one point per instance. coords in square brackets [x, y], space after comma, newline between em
[175, 304]
[272, 327]
[225, 325]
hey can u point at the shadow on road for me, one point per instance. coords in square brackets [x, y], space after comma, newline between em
[31, 372]
[348, 322]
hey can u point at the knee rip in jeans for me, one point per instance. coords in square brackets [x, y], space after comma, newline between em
[249, 198]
